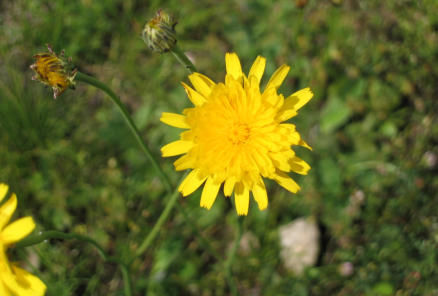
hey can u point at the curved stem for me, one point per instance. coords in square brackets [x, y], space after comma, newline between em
[232, 256]
[52, 234]
[183, 59]
[163, 217]
[96, 83]
[168, 186]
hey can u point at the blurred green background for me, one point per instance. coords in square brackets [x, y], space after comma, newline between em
[373, 66]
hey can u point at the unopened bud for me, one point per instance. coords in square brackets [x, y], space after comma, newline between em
[159, 33]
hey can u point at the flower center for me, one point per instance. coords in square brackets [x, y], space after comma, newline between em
[239, 133]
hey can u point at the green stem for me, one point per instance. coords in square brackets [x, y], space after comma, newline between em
[163, 217]
[168, 186]
[52, 234]
[126, 279]
[231, 256]
[96, 83]
[183, 59]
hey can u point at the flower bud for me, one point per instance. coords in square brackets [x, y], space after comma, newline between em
[159, 33]
[54, 71]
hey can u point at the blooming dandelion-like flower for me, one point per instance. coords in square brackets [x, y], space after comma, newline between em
[14, 280]
[52, 70]
[236, 135]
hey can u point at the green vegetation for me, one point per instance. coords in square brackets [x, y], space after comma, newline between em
[373, 126]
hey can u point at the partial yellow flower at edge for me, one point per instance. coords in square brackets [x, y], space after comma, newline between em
[236, 135]
[14, 280]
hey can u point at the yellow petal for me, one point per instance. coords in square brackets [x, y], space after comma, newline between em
[241, 199]
[257, 69]
[253, 91]
[285, 181]
[293, 138]
[233, 66]
[202, 84]
[191, 183]
[7, 209]
[229, 186]
[263, 162]
[209, 193]
[17, 230]
[3, 190]
[187, 135]
[285, 114]
[298, 99]
[3, 288]
[280, 160]
[271, 97]
[176, 120]
[304, 144]
[30, 283]
[278, 77]
[232, 83]
[196, 98]
[184, 162]
[287, 128]
[299, 166]
[260, 194]
[11, 285]
[176, 148]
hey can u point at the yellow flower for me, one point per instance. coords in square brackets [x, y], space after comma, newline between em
[236, 135]
[15, 281]
[53, 71]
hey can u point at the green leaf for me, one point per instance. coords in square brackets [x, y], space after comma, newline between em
[334, 115]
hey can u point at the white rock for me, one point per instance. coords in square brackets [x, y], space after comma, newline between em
[299, 242]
